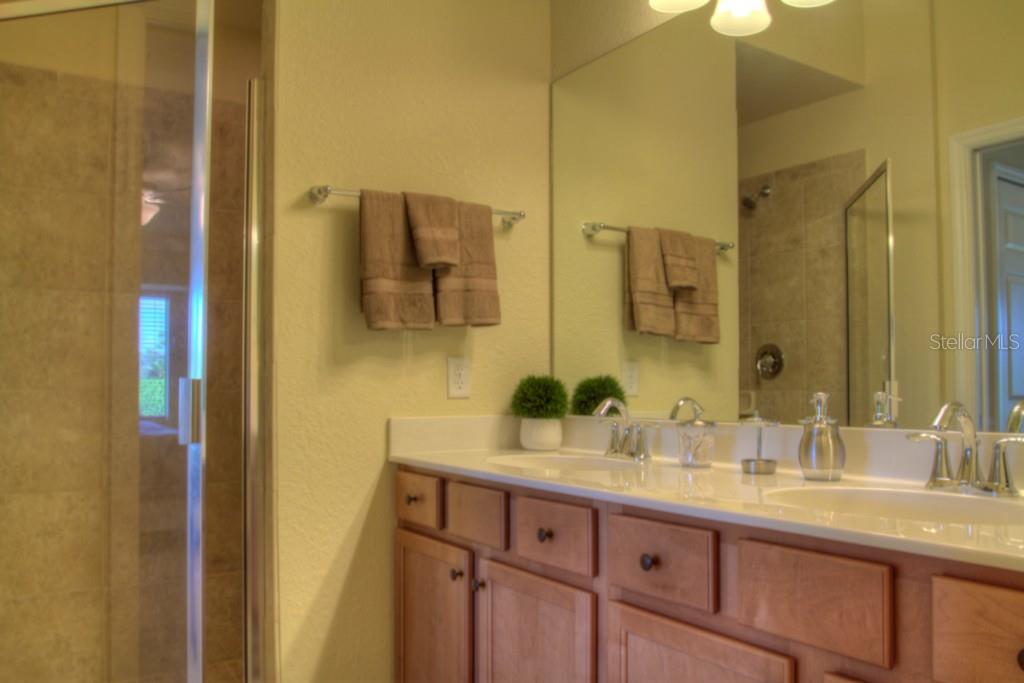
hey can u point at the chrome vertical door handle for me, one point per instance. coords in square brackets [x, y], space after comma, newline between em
[190, 410]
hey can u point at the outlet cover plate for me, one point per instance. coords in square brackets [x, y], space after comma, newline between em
[459, 378]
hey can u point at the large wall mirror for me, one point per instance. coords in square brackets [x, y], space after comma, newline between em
[860, 169]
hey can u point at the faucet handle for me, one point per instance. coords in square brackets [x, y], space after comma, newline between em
[941, 475]
[1000, 481]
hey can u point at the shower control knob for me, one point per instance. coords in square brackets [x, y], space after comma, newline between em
[769, 361]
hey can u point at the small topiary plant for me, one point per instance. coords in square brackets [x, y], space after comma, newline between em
[591, 391]
[540, 397]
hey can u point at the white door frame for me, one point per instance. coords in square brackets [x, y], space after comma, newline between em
[967, 203]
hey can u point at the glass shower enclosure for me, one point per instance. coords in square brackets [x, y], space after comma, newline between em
[119, 347]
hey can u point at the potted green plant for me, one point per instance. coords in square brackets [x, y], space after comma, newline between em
[541, 401]
[591, 391]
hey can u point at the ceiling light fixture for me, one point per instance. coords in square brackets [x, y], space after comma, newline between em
[735, 18]
[738, 18]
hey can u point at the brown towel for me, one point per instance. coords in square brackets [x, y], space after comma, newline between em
[680, 265]
[696, 309]
[467, 294]
[396, 292]
[652, 301]
[435, 229]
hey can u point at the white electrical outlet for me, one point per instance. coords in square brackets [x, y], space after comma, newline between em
[631, 377]
[459, 377]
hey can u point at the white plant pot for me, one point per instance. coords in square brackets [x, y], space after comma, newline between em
[540, 434]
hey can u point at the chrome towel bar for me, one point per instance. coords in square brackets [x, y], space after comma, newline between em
[591, 229]
[318, 194]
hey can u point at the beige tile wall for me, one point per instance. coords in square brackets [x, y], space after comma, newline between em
[92, 514]
[793, 283]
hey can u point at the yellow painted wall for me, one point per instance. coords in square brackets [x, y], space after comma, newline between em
[978, 83]
[891, 117]
[641, 137]
[447, 97]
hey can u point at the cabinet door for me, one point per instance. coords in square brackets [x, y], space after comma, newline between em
[433, 602]
[647, 648]
[533, 629]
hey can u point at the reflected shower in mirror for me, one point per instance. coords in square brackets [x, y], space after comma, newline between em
[843, 280]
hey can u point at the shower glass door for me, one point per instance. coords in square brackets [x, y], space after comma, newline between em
[103, 156]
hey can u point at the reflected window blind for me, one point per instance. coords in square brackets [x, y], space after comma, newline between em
[154, 324]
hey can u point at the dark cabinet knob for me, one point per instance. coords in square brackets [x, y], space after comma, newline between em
[478, 585]
[545, 534]
[456, 574]
[410, 499]
[1020, 659]
[648, 562]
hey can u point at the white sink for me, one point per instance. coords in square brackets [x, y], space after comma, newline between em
[922, 506]
[562, 463]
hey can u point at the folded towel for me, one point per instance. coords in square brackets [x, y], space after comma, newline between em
[396, 292]
[680, 265]
[467, 294]
[435, 229]
[652, 301]
[696, 308]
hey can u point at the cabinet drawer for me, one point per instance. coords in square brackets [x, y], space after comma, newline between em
[832, 602]
[977, 632]
[645, 647]
[418, 498]
[668, 561]
[557, 534]
[477, 514]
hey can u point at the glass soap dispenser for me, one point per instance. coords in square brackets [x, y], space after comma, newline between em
[822, 453]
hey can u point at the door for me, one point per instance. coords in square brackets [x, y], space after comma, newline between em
[532, 629]
[434, 616]
[1007, 269]
[647, 648]
[103, 219]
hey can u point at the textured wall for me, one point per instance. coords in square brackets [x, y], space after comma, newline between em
[443, 96]
[665, 159]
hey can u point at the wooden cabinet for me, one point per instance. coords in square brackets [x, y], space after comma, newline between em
[433, 601]
[667, 561]
[835, 603]
[418, 499]
[557, 534]
[977, 632]
[644, 647]
[477, 514]
[533, 629]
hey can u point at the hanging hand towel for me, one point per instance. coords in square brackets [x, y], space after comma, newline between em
[652, 301]
[467, 294]
[696, 308]
[680, 265]
[435, 230]
[396, 292]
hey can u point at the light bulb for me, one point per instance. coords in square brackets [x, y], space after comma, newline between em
[806, 3]
[739, 18]
[677, 6]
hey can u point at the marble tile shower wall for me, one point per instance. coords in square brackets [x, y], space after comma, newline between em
[91, 509]
[792, 257]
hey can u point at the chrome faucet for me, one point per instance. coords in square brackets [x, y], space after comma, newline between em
[1015, 423]
[967, 470]
[684, 402]
[627, 440]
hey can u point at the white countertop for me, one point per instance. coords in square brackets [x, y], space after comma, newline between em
[724, 494]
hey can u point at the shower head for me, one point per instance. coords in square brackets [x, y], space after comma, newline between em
[750, 201]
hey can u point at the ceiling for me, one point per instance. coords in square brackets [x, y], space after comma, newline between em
[769, 84]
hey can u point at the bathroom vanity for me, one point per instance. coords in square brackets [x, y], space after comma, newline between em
[575, 567]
